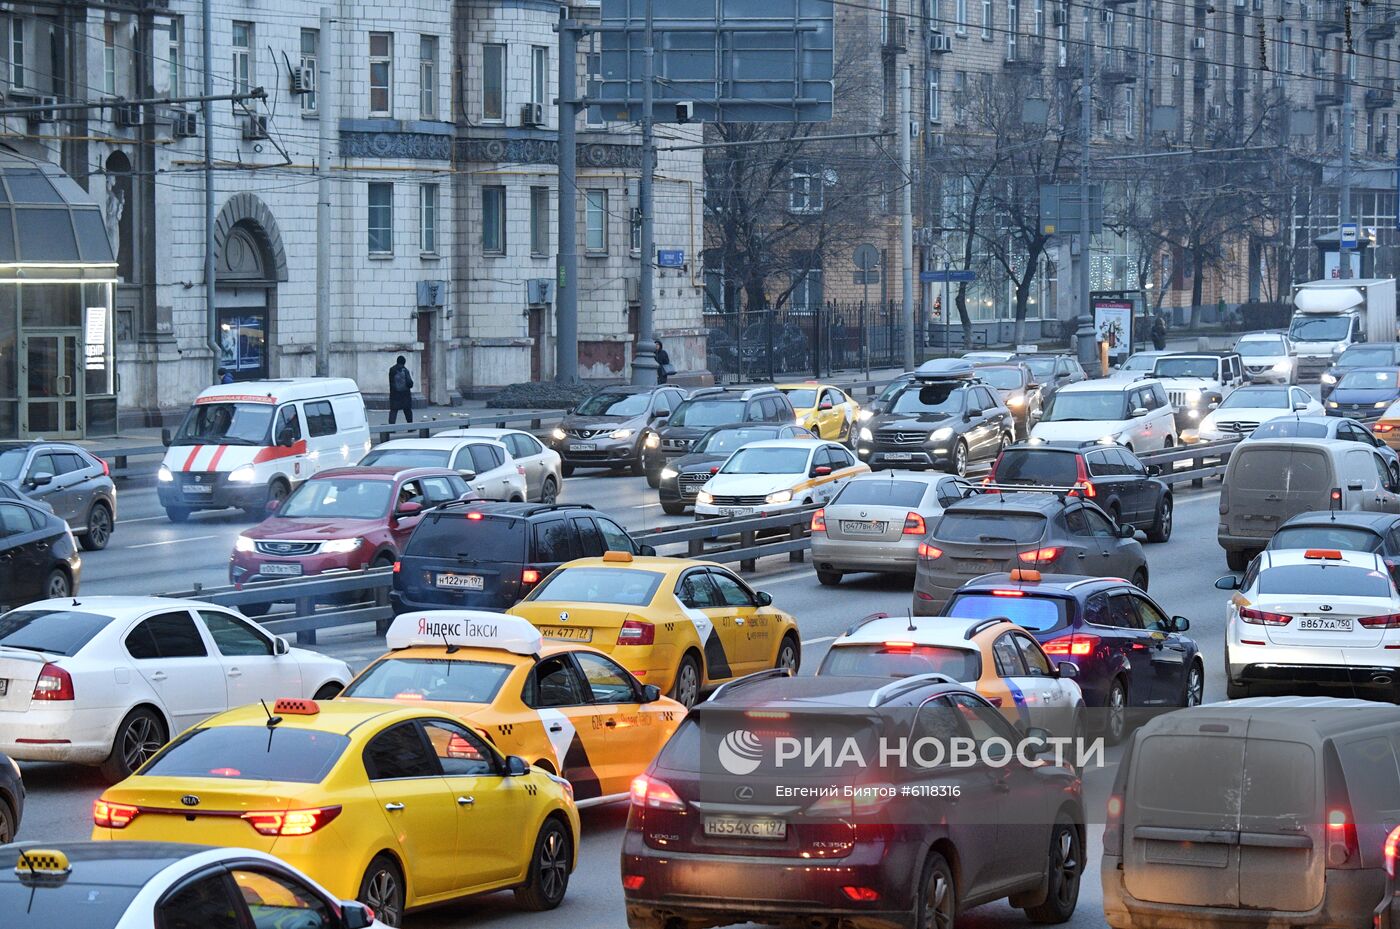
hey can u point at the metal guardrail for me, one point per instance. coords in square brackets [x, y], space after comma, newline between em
[1207, 459]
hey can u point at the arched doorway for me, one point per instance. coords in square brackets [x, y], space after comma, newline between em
[249, 263]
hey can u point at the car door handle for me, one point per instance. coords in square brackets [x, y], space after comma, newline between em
[234, 672]
[611, 724]
[466, 801]
[738, 620]
[555, 727]
[393, 807]
[158, 676]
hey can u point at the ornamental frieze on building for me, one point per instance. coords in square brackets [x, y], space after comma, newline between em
[546, 152]
[412, 146]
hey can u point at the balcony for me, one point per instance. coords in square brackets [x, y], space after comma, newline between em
[1328, 92]
[1379, 24]
[1329, 17]
[1027, 56]
[894, 36]
[1120, 66]
[1380, 93]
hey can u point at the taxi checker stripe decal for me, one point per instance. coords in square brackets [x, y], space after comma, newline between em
[570, 756]
[716, 661]
[833, 476]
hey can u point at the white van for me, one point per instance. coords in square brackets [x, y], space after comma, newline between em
[246, 445]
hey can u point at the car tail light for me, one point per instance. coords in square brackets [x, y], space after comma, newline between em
[714, 470]
[1077, 645]
[1392, 850]
[1382, 429]
[1335, 498]
[1113, 826]
[398, 566]
[636, 632]
[1323, 554]
[1387, 621]
[1008, 593]
[1083, 487]
[865, 800]
[899, 647]
[651, 793]
[1041, 555]
[929, 551]
[914, 524]
[633, 881]
[520, 469]
[54, 683]
[108, 815]
[861, 894]
[991, 477]
[1264, 617]
[475, 516]
[106, 471]
[291, 822]
[1341, 837]
[818, 521]
[530, 576]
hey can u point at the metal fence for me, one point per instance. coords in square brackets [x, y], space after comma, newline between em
[807, 341]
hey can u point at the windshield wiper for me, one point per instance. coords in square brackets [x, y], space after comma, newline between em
[30, 648]
[995, 538]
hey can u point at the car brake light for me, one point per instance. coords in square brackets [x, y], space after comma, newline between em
[1264, 617]
[930, 552]
[291, 822]
[1386, 621]
[1341, 837]
[398, 566]
[1382, 429]
[1077, 645]
[1113, 826]
[1335, 497]
[54, 683]
[1323, 554]
[818, 521]
[651, 793]
[633, 881]
[861, 894]
[530, 576]
[914, 524]
[108, 815]
[904, 647]
[1392, 850]
[636, 632]
[1008, 593]
[106, 471]
[475, 516]
[1041, 555]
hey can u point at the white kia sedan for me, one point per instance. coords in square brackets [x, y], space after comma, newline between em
[776, 476]
[108, 680]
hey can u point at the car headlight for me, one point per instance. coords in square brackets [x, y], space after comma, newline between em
[669, 474]
[779, 496]
[1329, 378]
[866, 435]
[938, 435]
[1380, 405]
[242, 475]
[653, 441]
[863, 415]
[1016, 402]
[1109, 440]
[243, 544]
[1193, 397]
[163, 475]
[1281, 367]
[621, 433]
[341, 546]
[558, 434]
[704, 497]
[1332, 403]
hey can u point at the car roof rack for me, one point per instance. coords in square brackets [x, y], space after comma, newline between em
[904, 685]
[747, 679]
[1025, 489]
[759, 391]
[865, 620]
[983, 626]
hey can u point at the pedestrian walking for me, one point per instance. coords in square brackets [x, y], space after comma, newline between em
[400, 391]
[664, 368]
[1159, 332]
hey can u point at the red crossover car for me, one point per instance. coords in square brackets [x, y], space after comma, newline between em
[343, 519]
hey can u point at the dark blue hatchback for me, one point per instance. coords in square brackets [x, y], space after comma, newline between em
[1129, 651]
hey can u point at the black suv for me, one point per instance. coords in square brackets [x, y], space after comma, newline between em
[721, 831]
[479, 554]
[709, 407]
[683, 477]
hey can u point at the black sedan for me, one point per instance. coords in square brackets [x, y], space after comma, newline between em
[1364, 393]
[11, 799]
[683, 477]
[1347, 530]
[38, 555]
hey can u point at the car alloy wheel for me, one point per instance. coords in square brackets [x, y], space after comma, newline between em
[57, 586]
[960, 460]
[141, 739]
[1195, 686]
[938, 902]
[787, 655]
[383, 894]
[549, 494]
[1117, 711]
[99, 530]
[554, 865]
[7, 825]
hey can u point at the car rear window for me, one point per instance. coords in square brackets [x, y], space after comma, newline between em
[629, 587]
[436, 679]
[471, 535]
[882, 493]
[891, 659]
[990, 526]
[407, 458]
[700, 414]
[250, 753]
[698, 736]
[1346, 538]
[1317, 580]
[1289, 428]
[1038, 614]
[1301, 471]
[75, 902]
[57, 632]
[1037, 466]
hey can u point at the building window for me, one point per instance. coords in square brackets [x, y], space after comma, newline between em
[987, 19]
[109, 59]
[427, 76]
[595, 216]
[806, 295]
[960, 16]
[1013, 23]
[16, 52]
[493, 220]
[1039, 24]
[1129, 112]
[175, 57]
[805, 195]
[935, 97]
[595, 74]
[539, 222]
[310, 45]
[381, 219]
[244, 73]
[381, 72]
[539, 74]
[959, 93]
[428, 218]
[493, 83]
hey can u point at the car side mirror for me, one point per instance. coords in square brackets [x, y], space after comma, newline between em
[1067, 671]
[273, 506]
[280, 646]
[1228, 582]
[1154, 470]
[1139, 412]
[646, 549]
[821, 470]
[825, 405]
[1127, 531]
[973, 413]
[650, 693]
[1041, 739]
[1300, 405]
[166, 438]
[516, 766]
[42, 479]
[408, 508]
[467, 474]
[1179, 624]
[355, 915]
[662, 413]
[763, 598]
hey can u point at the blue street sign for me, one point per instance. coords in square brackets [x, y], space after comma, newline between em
[1348, 235]
[947, 276]
[670, 257]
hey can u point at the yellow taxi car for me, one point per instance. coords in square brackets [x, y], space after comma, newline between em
[826, 410]
[395, 807]
[1387, 428]
[678, 624]
[562, 706]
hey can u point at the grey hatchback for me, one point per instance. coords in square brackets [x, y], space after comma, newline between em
[1041, 531]
[74, 483]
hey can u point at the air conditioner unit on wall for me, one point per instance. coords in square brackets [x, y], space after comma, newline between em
[303, 80]
[254, 127]
[37, 117]
[634, 290]
[184, 125]
[128, 115]
[532, 114]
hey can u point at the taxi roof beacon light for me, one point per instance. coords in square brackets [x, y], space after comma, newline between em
[464, 629]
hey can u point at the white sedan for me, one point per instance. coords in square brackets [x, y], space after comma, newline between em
[1312, 618]
[1241, 413]
[142, 885]
[777, 475]
[108, 680]
[487, 464]
[544, 468]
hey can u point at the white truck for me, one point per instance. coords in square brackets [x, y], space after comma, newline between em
[1329, 316]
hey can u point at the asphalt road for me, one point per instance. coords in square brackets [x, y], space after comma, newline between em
[172, 557]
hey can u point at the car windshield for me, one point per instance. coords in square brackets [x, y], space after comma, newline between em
[1037, 466]
[882, 492]
[338, 498]
[614, 405]
[990, 526]
[1139, 362]
[1346, 538]
[1186, 367]
[900, 659]
[1001, 378]
[1320, 328]
[1289, 428]
[938, 397]
[1038, 614]
[763, 460]
[1255, 348]
[727, 440]
[803, 398]
[1090, 405]
[55, 632]
[226, 424]
[1260, 397]
[1043, 366]
[1366, 356]
[442, 680]
[892, 388]
[11, 463]
[407, 458]
[700, 413]
[1367, 380]
[250, 753]
[1325, 580]
[625, 586]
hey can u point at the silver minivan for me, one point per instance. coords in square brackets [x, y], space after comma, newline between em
[1268, 482]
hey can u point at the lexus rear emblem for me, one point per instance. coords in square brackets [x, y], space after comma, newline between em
[743, 793]
[564, 617]
[1325, 608]
[190, 800]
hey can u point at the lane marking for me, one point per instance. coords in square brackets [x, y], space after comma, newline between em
[819, 639]
[198, 538]
[140, 519]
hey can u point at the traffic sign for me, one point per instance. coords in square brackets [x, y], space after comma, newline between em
[1348, 235]
[866, 257]
[947, 275]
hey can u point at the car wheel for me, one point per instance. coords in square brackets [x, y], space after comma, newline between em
[1116, 712]
[139, 737]
[1395, 474]
[566, 469]
[7, 824]
[1066, 867]
[549, 492]
[1162, 526]
[828, 578]
[686, 687]
[653, 479]
[1193, 691]
[1168, 442]
[57, 586]
[671, 508]
[639, 464]
[1140, 578]
[1236, 560]
[177, 514]
[99, 528]
[789, 654]
[937, 902]
[277, 491]
[382, 890]
[327, 691]
[960, 459]
[1007, 438]
[549, 869]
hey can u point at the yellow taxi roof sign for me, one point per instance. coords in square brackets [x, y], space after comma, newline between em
[42, 863]
[464, 628]
[623, 557]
